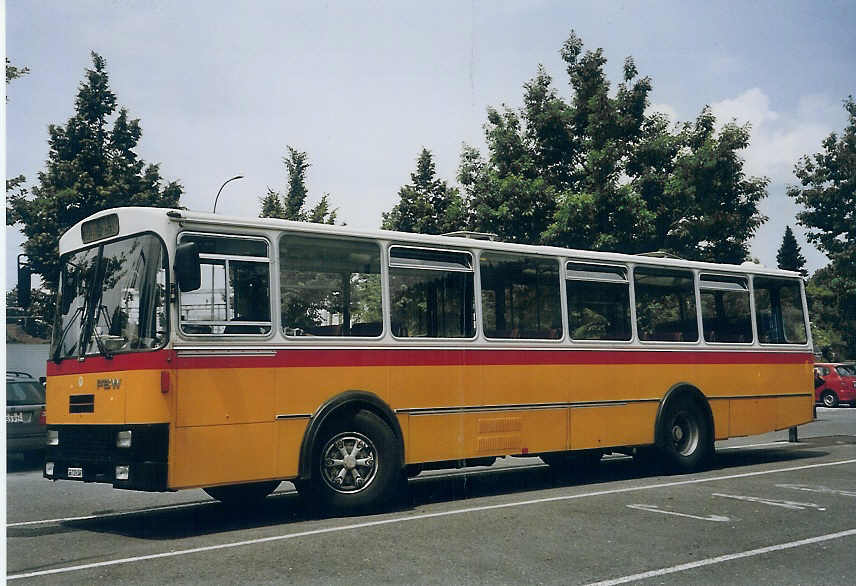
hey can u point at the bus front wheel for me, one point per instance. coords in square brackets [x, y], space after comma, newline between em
[687, 439]
[357, 464]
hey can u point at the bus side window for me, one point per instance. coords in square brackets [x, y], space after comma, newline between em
[234, 295]
[431, 293]
[725, 310]
[520, 296]
[665, 305]
[330, 287]
[598, 302]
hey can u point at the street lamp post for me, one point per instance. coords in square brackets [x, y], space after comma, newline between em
[214, 211]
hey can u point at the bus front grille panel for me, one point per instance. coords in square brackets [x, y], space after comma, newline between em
[87, 443]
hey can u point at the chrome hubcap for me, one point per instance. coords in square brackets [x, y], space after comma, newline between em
[685, 434]
[349, 463]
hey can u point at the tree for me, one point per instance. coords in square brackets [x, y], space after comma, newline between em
[715, 206]
[13, 72]
[291, 206]
[832, 306]
[427, 205]
[827, 193]
[597, 172]
[91, 167]
[15, 185]
[789, 256]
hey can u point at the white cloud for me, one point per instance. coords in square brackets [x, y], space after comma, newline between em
[778, 140]
[751, 106]
[666, 109]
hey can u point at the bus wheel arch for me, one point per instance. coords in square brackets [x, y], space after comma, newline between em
[346, 404]
[684, 429]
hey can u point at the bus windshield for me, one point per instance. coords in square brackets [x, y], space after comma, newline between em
[112, 299]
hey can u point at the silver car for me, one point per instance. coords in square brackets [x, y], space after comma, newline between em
[25, 415]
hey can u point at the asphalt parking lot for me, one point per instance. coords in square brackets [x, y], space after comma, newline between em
[766, 512]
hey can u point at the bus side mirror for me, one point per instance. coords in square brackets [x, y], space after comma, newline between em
[24, 284]
[188, 272]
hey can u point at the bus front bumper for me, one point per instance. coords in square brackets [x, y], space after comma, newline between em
[132, 457]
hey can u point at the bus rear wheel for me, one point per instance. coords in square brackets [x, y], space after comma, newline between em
[687, 439]
[357, 464]
[242, 494]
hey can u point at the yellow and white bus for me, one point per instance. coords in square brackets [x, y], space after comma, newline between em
[196, 350]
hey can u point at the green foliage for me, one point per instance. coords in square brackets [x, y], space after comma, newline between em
[832, 307]
[35, 320]
[427, 205]
[827, 192]
[291, 206]
[789, 256]
[90, 167]
[597, 173]
[12, 73]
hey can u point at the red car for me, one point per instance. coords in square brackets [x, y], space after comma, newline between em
[839, 384]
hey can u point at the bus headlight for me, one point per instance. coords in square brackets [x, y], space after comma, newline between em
[123, 439]
[49, 468]
[52, 438]
[123, 472]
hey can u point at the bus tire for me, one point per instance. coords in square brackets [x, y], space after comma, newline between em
[829, 399]
[242, 494]
[687, 438]
[356, 464]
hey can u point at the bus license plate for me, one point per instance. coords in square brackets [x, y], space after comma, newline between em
[75, 472]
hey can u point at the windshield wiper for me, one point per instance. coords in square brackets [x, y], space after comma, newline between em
[56, 358]
[101, 347]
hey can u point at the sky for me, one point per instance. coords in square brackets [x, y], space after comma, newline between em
[222, 87]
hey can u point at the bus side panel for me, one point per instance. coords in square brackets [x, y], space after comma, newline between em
[752, 416]
[302, 390]
[435, 438]
[794, 411]
[289, 435]
[613, 425]
[224, 396]
[224, 454]
[721, 410]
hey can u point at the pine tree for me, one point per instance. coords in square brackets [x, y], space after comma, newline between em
[91, 167]
[427, 205]
[790, 257]
[291, 206]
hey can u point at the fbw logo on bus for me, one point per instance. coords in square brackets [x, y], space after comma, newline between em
[108, 383]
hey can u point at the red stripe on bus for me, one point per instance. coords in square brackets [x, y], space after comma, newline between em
[334, 357]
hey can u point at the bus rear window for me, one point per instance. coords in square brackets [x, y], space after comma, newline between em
[778, 311]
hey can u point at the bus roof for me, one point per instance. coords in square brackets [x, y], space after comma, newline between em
[134, 220]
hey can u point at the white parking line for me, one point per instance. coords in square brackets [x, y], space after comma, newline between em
[656, 509]
[724, 558]
[110, 515]
[418, 517]
[778, 443]
[818, 489]
[794, 506]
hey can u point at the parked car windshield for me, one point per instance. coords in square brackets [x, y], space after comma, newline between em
[112, 299]
[845, 370]
[26, 392]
